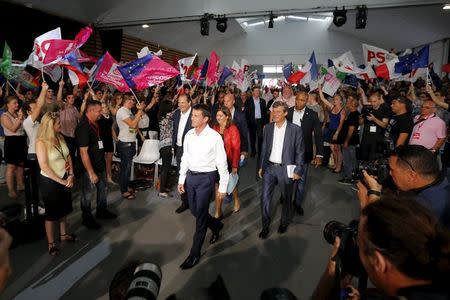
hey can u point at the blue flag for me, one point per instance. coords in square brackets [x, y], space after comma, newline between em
[73, 61]
[314, 69]
[422, 58]
[351, 80]
[287, 70]
[225, 74]
[330, 63]
[204, 69]
[133, 69]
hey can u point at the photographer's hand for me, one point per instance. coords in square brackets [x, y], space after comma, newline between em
[371, 184]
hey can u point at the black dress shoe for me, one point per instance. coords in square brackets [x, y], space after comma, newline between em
[189, 262]
[264, 233]
[90, 223]
[216, 234]
[282, 228]
[182, 208]
[299, 209]
[105, 214]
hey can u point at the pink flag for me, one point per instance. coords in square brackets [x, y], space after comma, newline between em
[155, 72]
[60, 48]
[213, 68]
[109, 74]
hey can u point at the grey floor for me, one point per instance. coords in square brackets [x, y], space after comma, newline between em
[148, 230]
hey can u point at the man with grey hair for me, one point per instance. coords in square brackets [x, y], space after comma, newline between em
[282, 158]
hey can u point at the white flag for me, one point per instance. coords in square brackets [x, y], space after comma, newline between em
[41, 45]
[346, 63]
[184, 65]
[376, 56]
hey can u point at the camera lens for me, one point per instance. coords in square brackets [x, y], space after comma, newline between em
[146, 282]
[332, 230]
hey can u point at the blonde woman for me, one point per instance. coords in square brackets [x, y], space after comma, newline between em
[56, 178]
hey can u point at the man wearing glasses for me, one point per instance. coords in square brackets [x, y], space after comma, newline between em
[415, 171]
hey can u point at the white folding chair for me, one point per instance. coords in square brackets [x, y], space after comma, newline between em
[149, 155]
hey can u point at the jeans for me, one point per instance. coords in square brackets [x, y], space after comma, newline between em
[88, 191]
[166, 155]
[349, 160]
[126, 153]
[300, 187]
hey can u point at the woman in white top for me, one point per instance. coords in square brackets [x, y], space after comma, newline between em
[126, 146]
[56, 178]
[15, 145]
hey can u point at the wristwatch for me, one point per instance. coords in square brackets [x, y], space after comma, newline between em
[373, 192]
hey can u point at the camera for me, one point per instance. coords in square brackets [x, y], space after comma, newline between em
[378, 168]
[348, 261]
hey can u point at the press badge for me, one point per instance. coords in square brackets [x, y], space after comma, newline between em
[416, 135]
[100, 144]
[373, 129]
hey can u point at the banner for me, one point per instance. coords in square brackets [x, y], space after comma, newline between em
[41, 44]
[374, 56]
[108, 73]
[331, 85]
[213, 69]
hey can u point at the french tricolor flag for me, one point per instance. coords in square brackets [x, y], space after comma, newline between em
[387, 70]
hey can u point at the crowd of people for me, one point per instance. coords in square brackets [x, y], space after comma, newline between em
[73, 135]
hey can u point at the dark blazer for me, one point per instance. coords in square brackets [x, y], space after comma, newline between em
[310, 125]
[251, 111]
[293, 147]
[241, 122]
[176, 123]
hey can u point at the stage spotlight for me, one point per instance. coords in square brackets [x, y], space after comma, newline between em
[340, 17]
[361, 17]
[271, 20]
[221, 24]
[204, 25]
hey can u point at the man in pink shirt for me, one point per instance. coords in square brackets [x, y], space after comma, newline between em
[429, 130]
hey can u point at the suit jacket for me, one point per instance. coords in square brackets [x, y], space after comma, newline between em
[241, 122]
[293, 147]
[310, 126]
[251, 111]
[176, 123]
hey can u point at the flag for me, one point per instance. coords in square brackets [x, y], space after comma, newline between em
[185, 66]
[245, 65]
[375, 56]
[41, 44]
[413, 75]
[351, 80]
[309, 72]
[147, 71]
[446, 68]
[331, 84]
[204, 69]
[313, 70]
[366, 73]
[330, 63]
[422, 58]
[94, 69]
[413, 61]
[345, 63]
[5, 65]
[25, 78]
[226, 72]
[58, 48]
[54, 71]
[287, 70]
[213, 68]
[106, 70]
[387, 70]
[76, 76]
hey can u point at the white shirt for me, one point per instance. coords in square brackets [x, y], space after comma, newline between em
[232, 112]
[277, 143]
[297, 117]
[184, 116]
[126, 134]
[31, 128]
[204, 152]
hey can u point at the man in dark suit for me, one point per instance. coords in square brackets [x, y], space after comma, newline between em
[256, 116]
[308, 120]
[281, 163]
[181, 125]
[239, 119]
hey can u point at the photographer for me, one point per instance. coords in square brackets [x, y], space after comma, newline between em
[375, 120]
[404, 250]
[415, 171]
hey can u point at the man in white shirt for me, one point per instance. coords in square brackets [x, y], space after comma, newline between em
[281, 163]
[181, 125]
[203, 155]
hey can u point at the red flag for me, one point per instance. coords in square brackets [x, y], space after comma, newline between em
[108, 73]
[59, 48]
[213, 68]
[446, 68]
[156, 71]
[76, 76]
[296, 77]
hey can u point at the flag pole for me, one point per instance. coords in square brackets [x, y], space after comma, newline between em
[135, 96]
[42, 72]
[12, 87]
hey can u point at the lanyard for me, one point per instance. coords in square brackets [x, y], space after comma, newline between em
[60, 150]
[94, 126]
[421, 122]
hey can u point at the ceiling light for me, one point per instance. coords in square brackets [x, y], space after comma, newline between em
[271, 20]
[297, 18]
[204, 25]
[361, 17]
[339, 17]
[446, 6]
[145, 26]
[221, 24]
